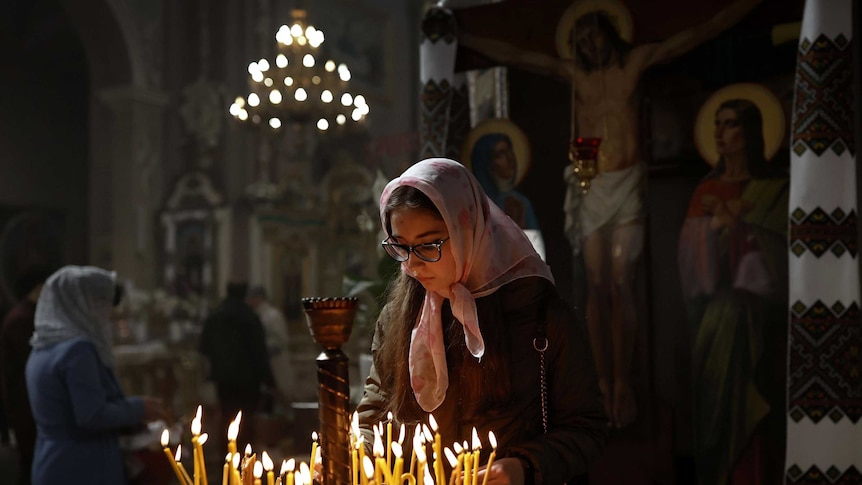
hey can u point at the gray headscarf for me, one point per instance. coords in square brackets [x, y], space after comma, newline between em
[76, 301]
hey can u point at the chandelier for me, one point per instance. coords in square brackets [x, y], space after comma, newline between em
[299, 86]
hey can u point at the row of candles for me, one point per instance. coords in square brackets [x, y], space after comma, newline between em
[386, 466]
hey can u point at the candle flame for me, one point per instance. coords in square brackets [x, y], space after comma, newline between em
[453, 460]
[420, 454]
[368, 466]
[258, 469]
[235, 460]
[179, 454]
[377, 448]
[492, 439]
[457, 447]
[432, 422]
[389, 416]
[267, 462]
[166, 438]
[233, 429]
[396, 449]
[401, 434]
[283, 467]
[314, 435]
[203, 438]
[354, 424]
[196, 425]
[248, 449]
[477, 444]
[291, 464]
[427, 432]
[227, 458]
[428, 480]
[305, 472]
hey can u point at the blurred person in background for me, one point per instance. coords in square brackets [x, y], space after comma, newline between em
[277, 338]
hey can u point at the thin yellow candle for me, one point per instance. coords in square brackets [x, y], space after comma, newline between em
[178, 458]
[225, 474]
[287, 470]
[202, 439]
[492, 439]
[291, 465]
[360, 444]
[196, 431]
[477, 448]
[354, 465]
[267, 467]
[235, 461]
[165, 440]
[468, 468]
[417, 442]
[453, 462]
[313, 449]
[398, 469]
[438, 451]
[258, 472]
[421, 459]
[389, 440]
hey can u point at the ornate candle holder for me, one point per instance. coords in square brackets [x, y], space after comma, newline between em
[584, 155]
[330, 321]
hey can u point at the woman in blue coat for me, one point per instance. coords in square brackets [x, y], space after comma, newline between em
[76, 399]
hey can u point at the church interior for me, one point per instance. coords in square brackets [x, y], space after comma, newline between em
[145, 137]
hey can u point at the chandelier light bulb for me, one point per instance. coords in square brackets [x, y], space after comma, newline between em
[322, 124]
[308, 60]
[275, 96]
[356, 115]
[267, 82]
[340, 119]
[364, 109]
[329, 66]
[296, 30]
[283, 35]
[252, 67]
[301, 40]
[281, 61]
[288, 81]
[263, 64]
[326, 96]
[275, 123]
[234, 109]
[257, 76]
[239, 101]
[253, 99]
[343, 72]
[309, 31]
[346, 99]
[359, 100]
[243, 115]
[300, 94]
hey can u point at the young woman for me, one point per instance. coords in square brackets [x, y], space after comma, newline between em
[459, 334]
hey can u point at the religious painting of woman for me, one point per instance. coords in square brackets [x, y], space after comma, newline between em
[498, 153]
[733, 269]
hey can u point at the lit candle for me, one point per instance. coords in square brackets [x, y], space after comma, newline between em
[178, 458]
[438, 451]
[421, 459]
[291, 465]
[417, 442]
[196, 447]
[201, 441]
[468, 468]
[453, 462]
[399, 463]
[493, 440]
[304, 473]
[354, 464]
[234, 472]
[165, 440]
[284, 469]
[379, 452]
[233, 432]
[368, 469]
[225, 475]
[258, 472]
[247, 466]
[477, 448]
[313, 449]
[361, 445]
[389, 440]
[267, 466]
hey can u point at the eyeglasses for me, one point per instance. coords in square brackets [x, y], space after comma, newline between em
[429, 252]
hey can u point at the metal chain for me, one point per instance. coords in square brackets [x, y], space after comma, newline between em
[543, 379]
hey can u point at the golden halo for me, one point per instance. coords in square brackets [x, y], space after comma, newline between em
[520, 144]
[616, 10]
[770, 109]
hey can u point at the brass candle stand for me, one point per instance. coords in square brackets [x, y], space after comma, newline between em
[330, 321]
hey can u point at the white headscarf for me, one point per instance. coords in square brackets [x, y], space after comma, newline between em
[489, 249]
[76, 301]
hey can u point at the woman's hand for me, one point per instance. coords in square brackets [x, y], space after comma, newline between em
[505, 471]
[154, 409]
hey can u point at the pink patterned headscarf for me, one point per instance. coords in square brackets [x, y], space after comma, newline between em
[489, 249]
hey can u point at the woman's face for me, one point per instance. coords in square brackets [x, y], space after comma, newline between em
[729, 138]
[504, 162]
[420, 226]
